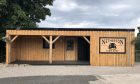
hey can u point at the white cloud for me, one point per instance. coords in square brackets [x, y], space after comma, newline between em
[94, 13]
[80, 25]
[69, 25]
[48, 18]
[135, 24]
[65, 5]
[68, 5]
[119, 6]
[48, 24]
[138, 22]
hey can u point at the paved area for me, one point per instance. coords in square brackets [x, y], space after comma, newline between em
[51, 80]
[100, 75]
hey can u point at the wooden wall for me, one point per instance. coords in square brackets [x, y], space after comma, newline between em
[28, 46]
[13, 51]
[98, 59]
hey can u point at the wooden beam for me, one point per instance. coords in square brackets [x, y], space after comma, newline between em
[46, 39]
[86, 39]
[55, 39]
[14, 39]
[50, 53]
[8, 49]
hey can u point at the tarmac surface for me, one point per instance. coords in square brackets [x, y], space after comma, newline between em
[50, 80]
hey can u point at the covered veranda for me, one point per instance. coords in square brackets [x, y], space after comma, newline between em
[13, 35]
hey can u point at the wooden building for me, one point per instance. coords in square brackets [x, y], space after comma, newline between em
[98, 47]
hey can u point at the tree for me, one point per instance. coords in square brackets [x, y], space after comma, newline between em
[137, 42]
[137, 47]
[20, 14]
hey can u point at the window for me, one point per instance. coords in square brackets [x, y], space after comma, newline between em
[70, 44]
[46, 45]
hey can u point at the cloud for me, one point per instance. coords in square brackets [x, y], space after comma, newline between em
[119, 6]
[94, 13]
[80, 25]
[65, 5]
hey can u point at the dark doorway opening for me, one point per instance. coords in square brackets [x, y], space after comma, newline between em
[83, 49]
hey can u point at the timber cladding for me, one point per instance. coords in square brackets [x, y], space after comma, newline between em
[28, 46]
[99, 59]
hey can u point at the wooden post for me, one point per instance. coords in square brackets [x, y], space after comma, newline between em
[50, 41]
[50, 53]
[8, 49]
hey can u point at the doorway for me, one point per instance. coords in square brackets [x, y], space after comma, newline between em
[83, 50]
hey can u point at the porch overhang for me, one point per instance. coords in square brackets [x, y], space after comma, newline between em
[49, 32]
[43, 34]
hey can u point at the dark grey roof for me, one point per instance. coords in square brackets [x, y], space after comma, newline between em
[84, 29]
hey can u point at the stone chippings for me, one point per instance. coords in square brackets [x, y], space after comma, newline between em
[38, 70]
[102, 73]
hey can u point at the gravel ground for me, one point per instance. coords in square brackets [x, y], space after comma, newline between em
[121, 79]
[106, 74]
[28, 70]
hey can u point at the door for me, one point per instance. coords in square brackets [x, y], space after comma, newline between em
[70, 49]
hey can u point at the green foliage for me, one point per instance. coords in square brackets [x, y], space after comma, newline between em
[15, 14]
[137, 47]
[137, 43]
[21, 14]
[137, 40]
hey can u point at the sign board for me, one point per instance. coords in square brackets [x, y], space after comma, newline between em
[112, 45]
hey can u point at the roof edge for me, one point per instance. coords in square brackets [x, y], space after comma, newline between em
[83, 29]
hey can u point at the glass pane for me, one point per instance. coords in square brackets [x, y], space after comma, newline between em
[70, 44]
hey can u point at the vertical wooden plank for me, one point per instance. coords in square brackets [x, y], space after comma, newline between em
[28, 40]
[76, 49]
[50, 53]
[9, 49]
[64, 48]
[97, 48]
[128, 41]
[132, 53]
[100, 55]
[125, 55]
[18, 50]
[91, 52]
[94, 48]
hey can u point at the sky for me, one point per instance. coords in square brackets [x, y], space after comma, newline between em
[93, 14]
